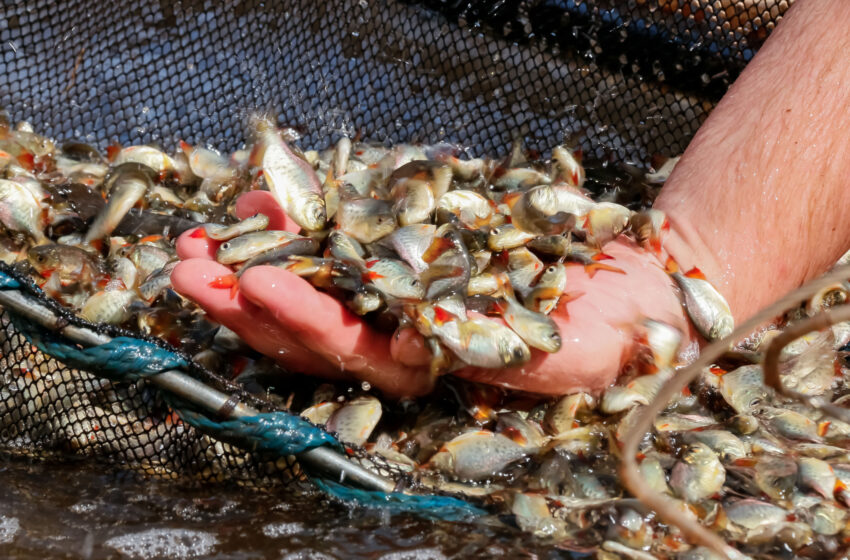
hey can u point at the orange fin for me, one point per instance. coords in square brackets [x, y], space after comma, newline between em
[199, 233]
[671, 266]
[228, 281]
[695, 273]
[27, 161]
[823, 427]
[439, 246]
[441, 316]
[592, 269]
[187, 149]
[151, 238]
[600, 256]
[112, 151]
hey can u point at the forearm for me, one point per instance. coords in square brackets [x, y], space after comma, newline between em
[760, 200]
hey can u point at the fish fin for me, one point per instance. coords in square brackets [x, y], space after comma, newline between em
[150, 239]
[441, 316]
[564, 300]
[511, 198]
[695, 273]
[186, 147]
[514, 435]
[27, 161]
[112, 151]
[97, 244]
[671, 266]
[655, 245]
[600, 256]
[228, 281]
[438, 246]
[823, 427]
[199, 233]
[371, 276]
[717, 371]
[593, 268]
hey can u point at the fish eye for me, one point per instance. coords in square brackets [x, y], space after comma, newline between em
[414, 282]
[550, 269]
[40, 258]
[494, 231]
[555, 336]
[225, 246]
[518, 353]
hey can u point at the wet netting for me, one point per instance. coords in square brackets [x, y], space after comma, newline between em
[624, 81]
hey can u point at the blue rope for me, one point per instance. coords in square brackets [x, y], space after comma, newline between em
[8, 283]
[122, 359]
[443, 508]
[277, 432]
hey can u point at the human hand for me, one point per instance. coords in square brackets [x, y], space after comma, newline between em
[282, 316]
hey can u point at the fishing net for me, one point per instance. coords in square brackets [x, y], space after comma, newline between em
[625, 81]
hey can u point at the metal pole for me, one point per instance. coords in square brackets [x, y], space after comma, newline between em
[190, 389]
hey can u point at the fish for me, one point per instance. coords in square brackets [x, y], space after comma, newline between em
[507, 237]
[207, 164]
[479, 342]
[70, 265]
[413, 201]
[291, 180]
[640, 390]
[561, 416]
[569, 168]
[393, 278]
[127, 188]
[108, 306]
[21, 211]
[549, 289]
[698, 475]
[523, 270]
[706, 307]
[605, 221]
[728, 447]
[750, 513]
[411, 242]
[365, 219]
[218, 232]
[477, 455]
[536, 329]
[354, 421]
[250, 245]
[817, 475]
[649, 228]
[743, 389]
[470, 208]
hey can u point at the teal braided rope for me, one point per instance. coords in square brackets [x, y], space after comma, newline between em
[277, 432]
[122, 359]
[443, 508]
[8, 283]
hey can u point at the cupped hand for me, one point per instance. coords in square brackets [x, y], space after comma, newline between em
[282, 316]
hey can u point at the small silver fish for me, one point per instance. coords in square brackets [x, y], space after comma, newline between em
[355, 420]
[477, 455]
[393, 278]
[128, 187]
[698, 475]
[219, 232]
[20, 210]
[252, 244]
[291, 180]
[707, 309]
[365, 219]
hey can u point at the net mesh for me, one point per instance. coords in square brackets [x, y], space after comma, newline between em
[624, 80]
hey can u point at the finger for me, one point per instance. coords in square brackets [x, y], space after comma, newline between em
[193, 278]
[408, 347]
[264, 202]
[329, 329]
[195, 244]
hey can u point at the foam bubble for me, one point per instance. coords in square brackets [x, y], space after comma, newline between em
[275, 530]
[9, 527]
[164, 543]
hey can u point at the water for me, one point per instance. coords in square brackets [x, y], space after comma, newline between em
[73, 511]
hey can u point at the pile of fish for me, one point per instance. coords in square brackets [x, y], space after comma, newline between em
[471, 253]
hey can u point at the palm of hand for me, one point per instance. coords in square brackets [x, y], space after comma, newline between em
[284, 317]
